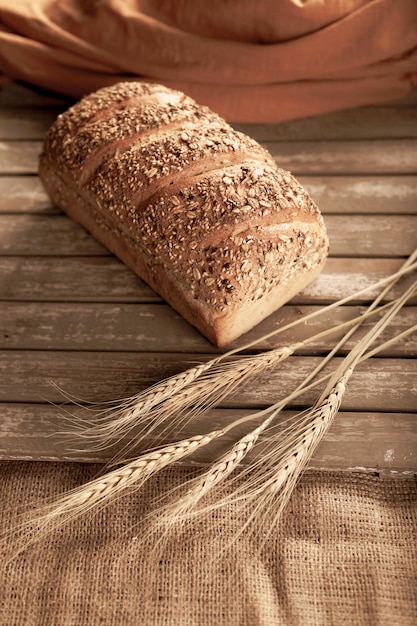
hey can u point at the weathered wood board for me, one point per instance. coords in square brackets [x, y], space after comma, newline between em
[57, 235]
[73, 316]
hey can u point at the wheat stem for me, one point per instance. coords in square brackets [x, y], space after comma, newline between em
[176, 401]
[99, 492]
[162, 402]
[290, 454]
[270, 482]
[391, 309]
[280, 467]
[357, 352]
[409, 266]
[292, 449]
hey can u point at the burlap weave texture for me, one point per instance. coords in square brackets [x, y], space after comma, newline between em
[344, 553]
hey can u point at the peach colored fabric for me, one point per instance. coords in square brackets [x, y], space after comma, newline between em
[263, 61]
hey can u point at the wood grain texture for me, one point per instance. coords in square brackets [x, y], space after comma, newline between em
[364, 123]
[382, 156]
[19, 157]
[369, 236]
[73, 315]
[381, 384]
[24, 194]
[346, 195]
[379, 156]
[26, 122]
[363, 195]
[137, 327]
[35, 431]
[105, 279]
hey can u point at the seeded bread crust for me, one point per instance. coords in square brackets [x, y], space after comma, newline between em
[198, 210]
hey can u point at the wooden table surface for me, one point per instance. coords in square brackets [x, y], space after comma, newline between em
[72, 317]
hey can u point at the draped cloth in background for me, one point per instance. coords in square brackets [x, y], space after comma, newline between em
[264, 61]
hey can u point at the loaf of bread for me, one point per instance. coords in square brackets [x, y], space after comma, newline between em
[198, 210]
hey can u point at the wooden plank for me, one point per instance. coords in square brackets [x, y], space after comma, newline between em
[157, 328]
[385, 442]
[15, 94]
[381, 384]
[26, 122]
[51, 235]
[105, 279]
[379, 156]
[101, 279]
[333, 194]
[29, 122]
[363, 194]
[19, 157]
[362, 235]
[384, 156]
[359, 123]
[88, 324]
[371, 236]
[24, 194]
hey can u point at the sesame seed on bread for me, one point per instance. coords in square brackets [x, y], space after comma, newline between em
[199, 210]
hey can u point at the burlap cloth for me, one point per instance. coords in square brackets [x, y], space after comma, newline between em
[344, 553]
[263, 60]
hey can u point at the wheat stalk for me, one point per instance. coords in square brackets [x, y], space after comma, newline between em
[289, 452]
[135, 473]
[228, 462]
[111, 427]
[183, 397]
[250, 481]
[270, 481]
[171, 404]
[98, 492]
[211, 388]
[185, 402]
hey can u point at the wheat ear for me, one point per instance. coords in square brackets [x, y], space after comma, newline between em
[168, 406]
[180, 398]
[270, 481]
[289, 451]
[100, 491]
[111, 423]
[197, 488]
